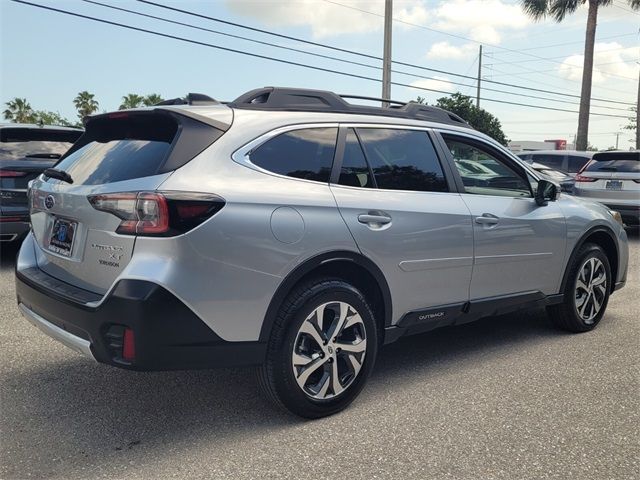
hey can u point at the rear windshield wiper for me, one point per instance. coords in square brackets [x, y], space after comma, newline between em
[58, 175]
[53, 156]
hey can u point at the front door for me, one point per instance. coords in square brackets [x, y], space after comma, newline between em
[519, 246]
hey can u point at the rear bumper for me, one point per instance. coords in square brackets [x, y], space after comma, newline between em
[167, 334]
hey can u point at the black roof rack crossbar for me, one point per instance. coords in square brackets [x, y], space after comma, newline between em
[308, 100]
[190, 99]
[373, 99]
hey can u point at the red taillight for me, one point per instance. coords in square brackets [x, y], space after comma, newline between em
[582, 178]
[157, 214]
[128, 345]
[11, 173]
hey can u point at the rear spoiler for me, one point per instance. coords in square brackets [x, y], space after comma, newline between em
[617, 155]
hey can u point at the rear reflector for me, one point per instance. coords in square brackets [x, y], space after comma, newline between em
[128, 345]
[157, 214]
[11, 173]
[15, 218]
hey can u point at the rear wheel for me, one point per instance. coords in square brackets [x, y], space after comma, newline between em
[587, 291]
[322, 349]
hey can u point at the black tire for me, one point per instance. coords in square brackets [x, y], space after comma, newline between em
[276, 377]
[566, 315]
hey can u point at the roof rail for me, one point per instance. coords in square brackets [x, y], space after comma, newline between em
[307, 100]
[191, 99]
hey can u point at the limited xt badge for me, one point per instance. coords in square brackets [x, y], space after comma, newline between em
[113, 251]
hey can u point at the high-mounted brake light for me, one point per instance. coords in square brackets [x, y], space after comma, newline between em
[11, 173]
[157, 214]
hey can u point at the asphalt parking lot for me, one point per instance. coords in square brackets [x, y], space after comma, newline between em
[507, 397]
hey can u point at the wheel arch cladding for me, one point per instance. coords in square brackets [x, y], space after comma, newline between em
[604, 238]
[352, 267]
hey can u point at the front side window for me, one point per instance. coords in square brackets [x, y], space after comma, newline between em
[403, 159]
[483, 172]
[306, 153]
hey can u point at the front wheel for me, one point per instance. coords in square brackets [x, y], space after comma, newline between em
[322, 349]
[586, 293]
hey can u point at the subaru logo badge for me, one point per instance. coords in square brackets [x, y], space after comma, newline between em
[49, 202]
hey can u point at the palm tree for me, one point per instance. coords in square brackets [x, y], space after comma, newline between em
[19, 111]
[558, 10]
[131, 100]
[154, 99]
[85, 104]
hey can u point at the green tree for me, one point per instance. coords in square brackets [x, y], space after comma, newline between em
[44, 117]
[131, 100]
[558, 10]
[633, 125]
[85, 103]
[477, 117]
[152, 99]
[19, 111]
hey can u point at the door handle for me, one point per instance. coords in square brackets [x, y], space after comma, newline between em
[487, 219]
[370, 219]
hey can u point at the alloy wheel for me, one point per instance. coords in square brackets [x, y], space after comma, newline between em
[591, 289]
[329, 350]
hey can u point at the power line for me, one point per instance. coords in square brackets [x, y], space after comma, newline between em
[537, 97]
[217, 32]
[540, 47]
[446, 33]
[373, 57]
[288, 62]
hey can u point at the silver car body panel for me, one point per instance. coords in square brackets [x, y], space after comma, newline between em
[228, 269]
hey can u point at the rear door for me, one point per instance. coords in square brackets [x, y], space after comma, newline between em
[402, 211]
[519, 246]
[121, 152]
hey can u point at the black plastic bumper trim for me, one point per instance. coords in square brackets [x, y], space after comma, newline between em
[168, 335]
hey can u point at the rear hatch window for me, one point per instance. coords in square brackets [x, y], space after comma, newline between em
[34, 143]
[619, 166]
[123, 146]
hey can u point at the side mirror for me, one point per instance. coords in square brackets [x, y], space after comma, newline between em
[547, 192]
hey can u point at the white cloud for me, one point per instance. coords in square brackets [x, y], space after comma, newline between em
[452, 52]
[480, 19]
[326, 19]
[436, 83]
[611, 61]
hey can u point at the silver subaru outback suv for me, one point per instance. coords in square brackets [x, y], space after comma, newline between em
[298, 232]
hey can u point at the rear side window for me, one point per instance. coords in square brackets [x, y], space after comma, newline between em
[403, 159]
[306, 153]
[576, 163]
[355, 171]
[552, 161]
[120, 149]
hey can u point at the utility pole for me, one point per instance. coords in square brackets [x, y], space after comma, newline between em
[617, 138]
[479, 77]
[386, 57]
[638, 116]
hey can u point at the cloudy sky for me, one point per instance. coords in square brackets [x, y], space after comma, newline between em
[48, 57]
